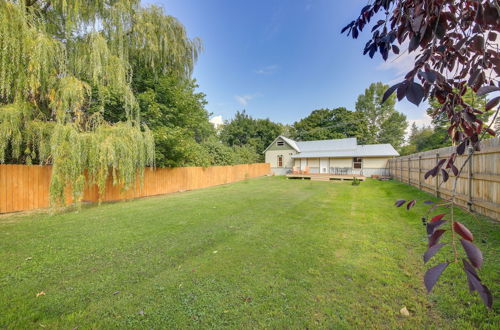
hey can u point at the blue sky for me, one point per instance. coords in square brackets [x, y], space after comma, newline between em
[281, 59]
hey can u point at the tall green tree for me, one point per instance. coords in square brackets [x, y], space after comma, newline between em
[335, 123]
[243, 130]
[425, 138]
[175, 112]
[385, 124]
[60, 64]
[393, 130]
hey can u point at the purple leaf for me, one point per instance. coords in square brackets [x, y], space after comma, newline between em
[491, 132]
[413, 43]
[429, 173]
[432, 275]
[432, 251]
[434, 238]
[355, 33]
[365, 8]
[492, 103]
[445, 175]
[347, 27]
[469, 117]
[468, 268]
[401, 93]
[475, 284]
[441, 162]
[429, 76]
[400, 202]
[438, 217]
[473, 253]
[415, 93]
[463, 231]
[487, 89]
[461, 148]
[389, 92]
[431, 226]
[410, 204]
[428, 202]
[454, 169]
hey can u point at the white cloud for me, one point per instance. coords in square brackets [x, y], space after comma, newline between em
[267, 70]
[400, 64]
[244, 99]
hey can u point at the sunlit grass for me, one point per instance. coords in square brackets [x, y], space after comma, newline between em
[266, 252]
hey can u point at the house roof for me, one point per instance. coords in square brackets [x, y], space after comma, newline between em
[337, 148]
[327, 145]
[291, 142]
[368, 150]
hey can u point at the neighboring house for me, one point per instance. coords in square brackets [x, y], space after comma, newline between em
[329, 156]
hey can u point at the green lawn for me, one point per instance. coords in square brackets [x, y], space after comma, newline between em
[267, 252]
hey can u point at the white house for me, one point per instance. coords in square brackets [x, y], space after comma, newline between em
[341, 156]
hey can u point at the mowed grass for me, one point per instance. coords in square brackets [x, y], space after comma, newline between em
[263, 253]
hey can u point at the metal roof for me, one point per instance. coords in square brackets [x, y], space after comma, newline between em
[327, 145]
[291, 142]
[368, 150]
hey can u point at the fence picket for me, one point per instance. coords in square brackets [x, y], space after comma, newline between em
[478, 188]
[25, 187]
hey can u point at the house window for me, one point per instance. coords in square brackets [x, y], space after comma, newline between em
[280, 143]
[280, 161]
[357, 162]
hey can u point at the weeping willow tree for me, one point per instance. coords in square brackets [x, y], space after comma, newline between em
[59, 62]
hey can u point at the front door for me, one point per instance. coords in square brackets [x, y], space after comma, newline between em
[323, 165]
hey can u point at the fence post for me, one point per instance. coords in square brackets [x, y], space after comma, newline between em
[469, 179]
[401, 169]
[409, 170]
[437, 176]
[419, 172]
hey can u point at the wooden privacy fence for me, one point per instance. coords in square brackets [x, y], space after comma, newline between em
[478, 187]
[24, 187]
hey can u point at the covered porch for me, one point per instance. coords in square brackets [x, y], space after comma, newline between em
[325, 176]
[346, 166]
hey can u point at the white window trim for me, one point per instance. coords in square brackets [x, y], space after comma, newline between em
[360, 162]
[278, 161]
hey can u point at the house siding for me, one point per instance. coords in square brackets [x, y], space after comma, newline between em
[272, 158]
[377, 162]
[341, 162]
[375, 166]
